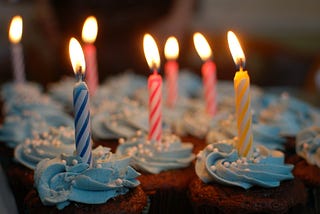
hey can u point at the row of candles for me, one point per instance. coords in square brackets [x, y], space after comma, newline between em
[85, 68]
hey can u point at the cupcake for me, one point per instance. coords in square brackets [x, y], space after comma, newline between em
[307, 163]
[228, 183]
[166, 168]
[48, 144]
[67, 185]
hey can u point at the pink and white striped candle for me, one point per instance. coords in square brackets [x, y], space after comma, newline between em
[154, 88]
[89, 35]
[209, 80]
[208, 70]
[171, 68]
[155, 106]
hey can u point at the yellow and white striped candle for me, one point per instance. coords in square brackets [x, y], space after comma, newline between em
[242, 98]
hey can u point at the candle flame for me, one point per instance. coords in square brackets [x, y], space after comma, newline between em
[236, 50]
[90, 30]
[76, 56]
[15, 30]
[171, 48]
[202, 46]
[151, 52]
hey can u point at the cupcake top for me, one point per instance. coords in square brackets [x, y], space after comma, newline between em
[45, 145]
[287, 113]
[66, 178]
[11, 90]
[154, 157]
[16, 128]
[220, 162]
[308, 145]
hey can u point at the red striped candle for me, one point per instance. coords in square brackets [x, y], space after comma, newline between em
[171, 68]
[154, 88]
[89, 35]
[209, 80]
[208, 73]
[155, 106]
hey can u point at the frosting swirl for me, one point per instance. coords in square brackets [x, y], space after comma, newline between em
[308, 145]
[66, 178]
[45, 145]
[154, 157]
[220, 162]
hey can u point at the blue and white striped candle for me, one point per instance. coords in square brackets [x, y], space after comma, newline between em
[81, 103]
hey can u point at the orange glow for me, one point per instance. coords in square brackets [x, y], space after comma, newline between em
[236, 50]
[15, 30]
[202, 46]
[76, 56]
[90, 30]
[151, 52]
[171, 48]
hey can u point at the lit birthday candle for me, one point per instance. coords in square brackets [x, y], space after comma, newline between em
[154, 87]
[171, 68]
[15, 34]
[81, 103]
[209, 76]
[242, 98]
[89, 35]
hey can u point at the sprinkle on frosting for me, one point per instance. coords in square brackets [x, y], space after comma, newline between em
[153, 156]
[220, 162]
[47, 144]
[66, 178]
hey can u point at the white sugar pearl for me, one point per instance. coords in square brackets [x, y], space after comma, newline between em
[99, 165]
[63, 161]
[247, 169]
[215, 150]
[226, 164]
[210, 147]
[119, 181]
[139, 133]
[213, 168]
[239, 161]
[74, 162]
[121, 141]
[233, 164]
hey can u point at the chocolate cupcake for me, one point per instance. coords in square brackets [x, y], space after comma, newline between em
[166, 168]
[227, 183]
[307, 164]
[67, 185]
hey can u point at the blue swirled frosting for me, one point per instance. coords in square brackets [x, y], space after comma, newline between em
[45, 145]
[308, 145]
[66, 178]
[154, 157]
[220, 162]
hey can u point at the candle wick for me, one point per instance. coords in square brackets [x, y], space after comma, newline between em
[79, 74]
[241, 64]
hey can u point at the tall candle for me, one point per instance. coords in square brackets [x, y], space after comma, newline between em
[171, 68]
[15, 34]
[89, 35]
[81, 103]
[242, 98]
[154, 88]
[208, 70]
